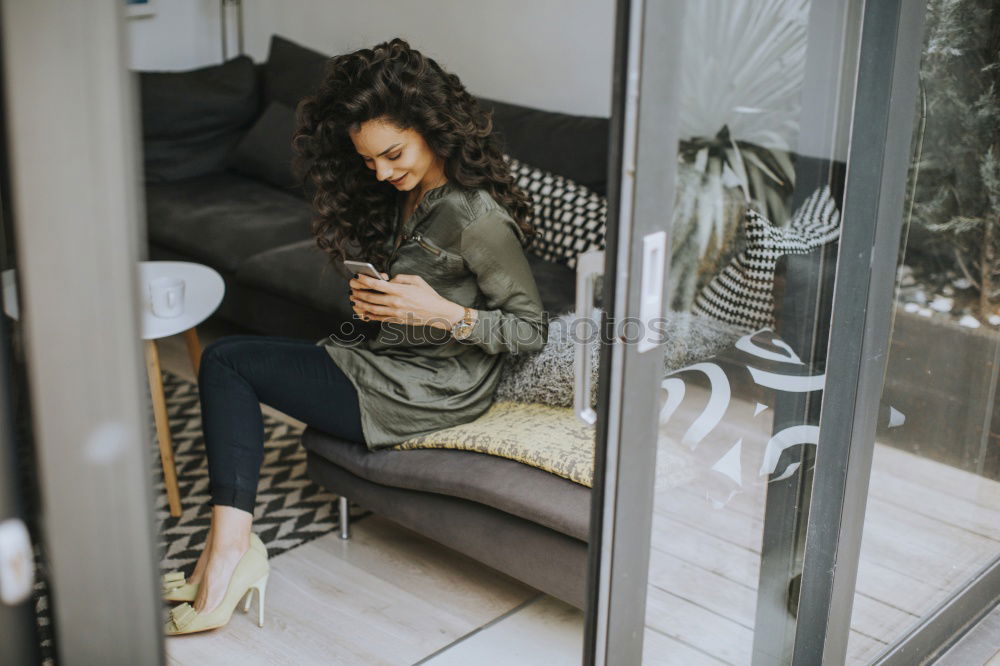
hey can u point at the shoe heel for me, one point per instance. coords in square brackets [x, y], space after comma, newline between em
[260, 586]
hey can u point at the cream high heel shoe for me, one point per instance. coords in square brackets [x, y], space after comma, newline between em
[176, 587]
[250, 574]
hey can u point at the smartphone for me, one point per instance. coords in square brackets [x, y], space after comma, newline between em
[362, 267]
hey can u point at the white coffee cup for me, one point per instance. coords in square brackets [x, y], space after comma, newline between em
[166, 296]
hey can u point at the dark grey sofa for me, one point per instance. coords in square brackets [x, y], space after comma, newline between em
[216, 157]
[218, 192]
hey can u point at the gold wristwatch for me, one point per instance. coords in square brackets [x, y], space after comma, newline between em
[463, 327]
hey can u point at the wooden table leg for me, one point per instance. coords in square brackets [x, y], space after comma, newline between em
[194, 349]
[162, 428]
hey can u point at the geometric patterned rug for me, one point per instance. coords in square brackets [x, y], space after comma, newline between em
[290, 509]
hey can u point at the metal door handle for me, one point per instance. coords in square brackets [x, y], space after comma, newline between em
[654, 248]
[589, 266]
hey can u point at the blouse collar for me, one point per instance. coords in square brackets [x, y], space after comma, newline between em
[421, 210]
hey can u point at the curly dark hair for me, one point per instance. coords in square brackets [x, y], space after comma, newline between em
[353, 211]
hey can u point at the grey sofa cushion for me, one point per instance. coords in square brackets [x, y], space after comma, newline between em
[265, 152]
[570, 145]
[300, 272]
[507, 485]
[291, 71]
[556, 284]
[223, 218]
[191, 120]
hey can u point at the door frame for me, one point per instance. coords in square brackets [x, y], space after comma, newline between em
[19, 633]
[640, 202]
[72, 129]
[878, 160]
[828, 91]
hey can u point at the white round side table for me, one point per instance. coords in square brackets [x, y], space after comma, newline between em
[203, 292]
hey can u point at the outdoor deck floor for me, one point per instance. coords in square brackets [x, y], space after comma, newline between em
[929, 528]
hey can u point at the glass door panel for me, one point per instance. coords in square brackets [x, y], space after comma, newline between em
[760, 179]
[932, 523]
[791, 115]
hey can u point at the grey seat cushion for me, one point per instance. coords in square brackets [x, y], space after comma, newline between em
[223, 218]
[300, 272]
[507, 485]
[556, 284]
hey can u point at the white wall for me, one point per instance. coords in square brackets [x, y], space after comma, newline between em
[183, 34]
[551, 54]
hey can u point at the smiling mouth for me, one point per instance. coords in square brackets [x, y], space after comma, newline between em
[398, 180]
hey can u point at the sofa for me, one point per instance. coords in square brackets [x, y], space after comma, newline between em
[218, 191]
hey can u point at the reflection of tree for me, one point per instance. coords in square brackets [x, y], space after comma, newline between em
[741, 82]
[743, 65]
[957, 194]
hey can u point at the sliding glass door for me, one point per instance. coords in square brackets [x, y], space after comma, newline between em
[769, 144]
[931, 540]
[711, 444]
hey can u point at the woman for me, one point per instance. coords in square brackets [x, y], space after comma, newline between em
[408, 176]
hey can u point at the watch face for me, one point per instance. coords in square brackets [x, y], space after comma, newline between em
[463, 327]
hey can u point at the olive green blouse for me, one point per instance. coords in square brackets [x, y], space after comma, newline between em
[412, 380]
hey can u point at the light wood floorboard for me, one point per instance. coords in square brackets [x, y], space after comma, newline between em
[544, 631]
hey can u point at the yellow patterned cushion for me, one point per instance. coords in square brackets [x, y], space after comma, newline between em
[550, 438]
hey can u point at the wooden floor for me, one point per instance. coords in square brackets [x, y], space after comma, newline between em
[390, 596]
[929, 528]
[387, 596]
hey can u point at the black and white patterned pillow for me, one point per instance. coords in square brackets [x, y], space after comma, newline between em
[568, 217]
[743, 293]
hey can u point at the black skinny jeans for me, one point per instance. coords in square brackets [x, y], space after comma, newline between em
[297, 377]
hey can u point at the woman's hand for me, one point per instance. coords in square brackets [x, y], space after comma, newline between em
[406, 299]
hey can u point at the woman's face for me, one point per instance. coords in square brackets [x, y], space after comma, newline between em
[401, 157]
